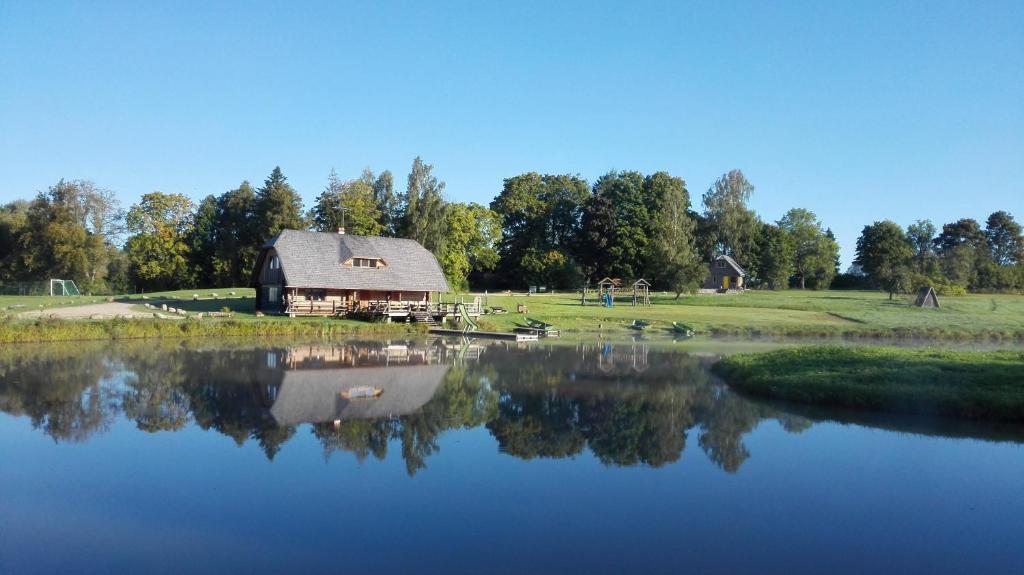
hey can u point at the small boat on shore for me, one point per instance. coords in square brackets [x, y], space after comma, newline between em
[682, 328]
[362, 392]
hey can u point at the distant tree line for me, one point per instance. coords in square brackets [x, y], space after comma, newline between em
[556, 230]
[961, 256]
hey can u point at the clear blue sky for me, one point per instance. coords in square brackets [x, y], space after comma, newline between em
[856, 110]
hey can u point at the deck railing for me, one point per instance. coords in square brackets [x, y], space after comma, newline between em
[390, 307]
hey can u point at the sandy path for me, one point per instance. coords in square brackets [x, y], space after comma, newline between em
[107, 310]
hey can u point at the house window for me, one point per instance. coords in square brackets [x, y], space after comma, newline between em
[365, 262]
[720, 264]
[275, 263]
[316, 295]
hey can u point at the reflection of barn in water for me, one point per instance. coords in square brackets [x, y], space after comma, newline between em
[362, 354]
[314, 376]
[314, 395]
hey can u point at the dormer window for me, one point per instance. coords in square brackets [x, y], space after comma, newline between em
[365, 263]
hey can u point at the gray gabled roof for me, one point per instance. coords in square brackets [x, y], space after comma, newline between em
[732, 263]
[314, 260]
[314, 395]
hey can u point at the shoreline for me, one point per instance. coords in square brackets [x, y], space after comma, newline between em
[47, 329]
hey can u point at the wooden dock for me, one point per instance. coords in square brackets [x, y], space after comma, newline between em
[485, 334]
[539, 332]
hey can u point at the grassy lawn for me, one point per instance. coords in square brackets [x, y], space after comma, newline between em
[786, 313]
[966, 384]
[792, 312]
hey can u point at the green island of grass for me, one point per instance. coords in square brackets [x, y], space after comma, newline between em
[978, 385]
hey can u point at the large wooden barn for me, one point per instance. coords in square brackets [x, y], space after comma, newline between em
[337, 274]
[725, 274]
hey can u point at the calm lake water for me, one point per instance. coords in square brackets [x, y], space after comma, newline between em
[169, 457]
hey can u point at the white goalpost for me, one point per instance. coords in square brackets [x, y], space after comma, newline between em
[63, 288]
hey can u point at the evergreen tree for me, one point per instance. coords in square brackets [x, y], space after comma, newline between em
[278, 206]
[423, 208]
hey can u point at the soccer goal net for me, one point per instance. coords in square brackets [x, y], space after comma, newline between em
[64, 288]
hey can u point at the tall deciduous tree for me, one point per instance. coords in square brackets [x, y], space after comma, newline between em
[540, 215]
[202, 242]
[1005, 242]
[56, 241]
[238, 235]
[921, 235]
[348, 204]
[775, 261]
[963, 251]
[673, 257]
[12, 223]
[628, 246]
[814, 252]
[278, 206]
[158, 251]
[884, 253]
[733, 224]
[472, 236]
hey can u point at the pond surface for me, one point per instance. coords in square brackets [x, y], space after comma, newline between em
[166, 457]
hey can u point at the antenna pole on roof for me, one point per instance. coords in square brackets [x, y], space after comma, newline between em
[341, 229]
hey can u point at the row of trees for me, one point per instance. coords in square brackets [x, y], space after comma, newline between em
[76, 230]
[558, 230]
[549, 229]
[962, 256]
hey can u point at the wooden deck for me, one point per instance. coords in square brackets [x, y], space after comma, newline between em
[392, 310]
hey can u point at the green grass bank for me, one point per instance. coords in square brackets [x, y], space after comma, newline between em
[965, 384]
[55, 330]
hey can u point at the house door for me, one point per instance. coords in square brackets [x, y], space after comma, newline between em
[725, 282]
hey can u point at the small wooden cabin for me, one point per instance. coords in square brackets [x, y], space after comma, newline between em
[323, 273]
[725, 273]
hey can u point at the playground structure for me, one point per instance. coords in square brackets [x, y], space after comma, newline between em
[606, 288]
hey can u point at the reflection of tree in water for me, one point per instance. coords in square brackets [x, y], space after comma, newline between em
[59, 390]
[628, 404]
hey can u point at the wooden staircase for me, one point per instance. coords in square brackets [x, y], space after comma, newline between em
[423, 317]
